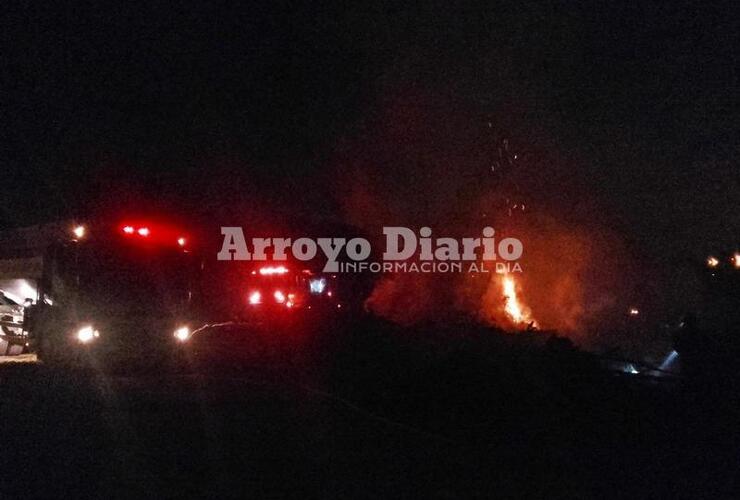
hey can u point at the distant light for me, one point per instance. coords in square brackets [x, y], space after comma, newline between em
[128, 229]
[267, 271]
[317, 286]
[634, 311]
[182, 334]
[630, 368]
[279, 296]
[143, 231]
[736, 260]
[289, 304]
[79, 232]
[181, 241]
[668, 360]
[712, 262]
[339, 306]
[255, 298]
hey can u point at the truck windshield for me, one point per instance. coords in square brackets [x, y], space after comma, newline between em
[132, 278]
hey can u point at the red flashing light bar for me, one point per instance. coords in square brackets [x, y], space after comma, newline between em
[141, 231]
[161, 235]
[268, 271]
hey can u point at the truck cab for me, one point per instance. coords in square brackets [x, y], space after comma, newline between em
[108, 292]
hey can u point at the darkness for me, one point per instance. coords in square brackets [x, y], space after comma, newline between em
[185, 104]
[294, 117]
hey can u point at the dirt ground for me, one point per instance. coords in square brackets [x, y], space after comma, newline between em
[363, 424]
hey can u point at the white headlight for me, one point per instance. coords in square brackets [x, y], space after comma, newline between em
[182, 334]
[87, 334]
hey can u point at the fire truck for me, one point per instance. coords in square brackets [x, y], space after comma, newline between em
[104, 292]
[280, 287]
[272, 296]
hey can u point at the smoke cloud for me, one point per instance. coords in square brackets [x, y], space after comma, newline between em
[425, 160]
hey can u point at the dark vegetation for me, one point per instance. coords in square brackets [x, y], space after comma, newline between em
[368, 411]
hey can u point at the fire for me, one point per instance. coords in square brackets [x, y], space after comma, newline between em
[515, 310]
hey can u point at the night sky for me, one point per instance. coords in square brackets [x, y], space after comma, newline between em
[637, 103]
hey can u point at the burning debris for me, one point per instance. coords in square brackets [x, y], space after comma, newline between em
[439, 158]
[517, 312]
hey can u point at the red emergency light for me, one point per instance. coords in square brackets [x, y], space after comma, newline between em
[268, 271]
[255, 298]
[141, 231]
[160, 234]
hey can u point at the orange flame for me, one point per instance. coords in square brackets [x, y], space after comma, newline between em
[515, 310]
